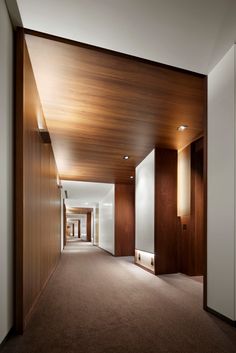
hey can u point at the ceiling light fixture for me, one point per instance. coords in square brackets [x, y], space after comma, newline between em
[125, 157]
[182, 127]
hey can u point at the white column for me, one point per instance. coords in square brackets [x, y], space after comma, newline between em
[6, 175]
[221, 187]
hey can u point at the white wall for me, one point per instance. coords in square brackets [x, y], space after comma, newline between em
[144, 204]
[221, 187]
[83, 225]
[96, 225]
[106, 222]
[184, 33]
[6, 219]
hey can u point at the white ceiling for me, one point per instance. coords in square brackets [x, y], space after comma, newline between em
[76, 217]
[190, 34]
[85, 194]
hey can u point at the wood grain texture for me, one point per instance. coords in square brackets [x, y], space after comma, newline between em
[37, 196]
[64, 224]
[166, 244]
[184, 244]
[88, 226]
[197, 207]
[191, 228]
[124, 220]
[205, 163]
[100, 106]
[78, 210]
[79, 230]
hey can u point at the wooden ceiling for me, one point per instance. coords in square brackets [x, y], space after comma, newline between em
[78, 210]
[100, 106]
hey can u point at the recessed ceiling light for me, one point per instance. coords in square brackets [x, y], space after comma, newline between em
[131, 177]
[182, 127]
[125, 157]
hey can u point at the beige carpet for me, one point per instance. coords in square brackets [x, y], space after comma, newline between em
[95, 303]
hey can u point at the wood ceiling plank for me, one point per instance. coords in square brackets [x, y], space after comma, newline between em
[100, 106]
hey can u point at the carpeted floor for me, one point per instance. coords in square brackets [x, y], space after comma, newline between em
[95, 303]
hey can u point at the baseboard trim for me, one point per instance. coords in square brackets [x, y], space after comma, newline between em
[8, 336]
[221, 316]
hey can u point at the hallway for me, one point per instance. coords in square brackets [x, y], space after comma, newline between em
[96, 303]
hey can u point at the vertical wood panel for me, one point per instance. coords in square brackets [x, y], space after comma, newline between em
[36, 194]
[64, 224]
[184, 243]
[191, 228]
[79, 231]
[89, 226]
[166, 211]
[197, 207]
[124, 220]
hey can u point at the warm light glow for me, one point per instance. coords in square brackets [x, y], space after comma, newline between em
[106, 204]
[58, 181]
[145, 259]
[131, 177]
[184, 182]
[125, 157]
[182, 127]
[41, 121]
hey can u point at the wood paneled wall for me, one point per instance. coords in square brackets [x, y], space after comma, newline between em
[124, 220]
[37, 197]
[184, 244]
[166, 245]
[179, 241]
[64, 224]
[197, 205]
[79, 231]
[191, 227]
[88, 228]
